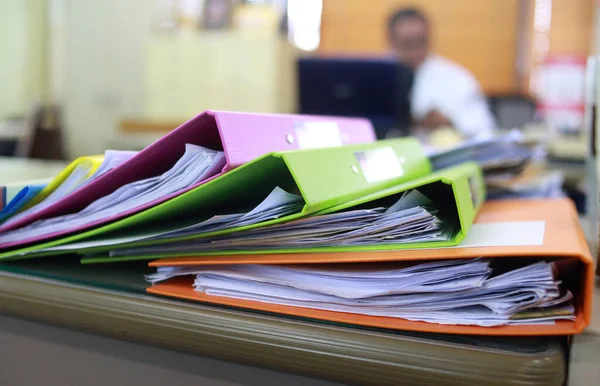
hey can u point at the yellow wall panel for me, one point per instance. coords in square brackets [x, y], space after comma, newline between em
[481, 35]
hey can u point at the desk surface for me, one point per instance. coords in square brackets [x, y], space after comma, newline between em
[39, 291]
[67, 294]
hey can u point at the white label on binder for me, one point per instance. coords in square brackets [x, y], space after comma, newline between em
[314, 135]
[505, 234]
[379, 164]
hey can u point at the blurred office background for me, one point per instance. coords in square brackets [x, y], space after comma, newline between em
[78, 77]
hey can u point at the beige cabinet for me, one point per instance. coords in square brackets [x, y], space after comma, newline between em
[185, 75]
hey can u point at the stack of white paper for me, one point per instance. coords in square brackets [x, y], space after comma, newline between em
[504, 154]
[77, 179]
[277, 204]
[112, 159]
[534, 184]
[465, 292]
[511, 167]
[195, 165]
[411, 219]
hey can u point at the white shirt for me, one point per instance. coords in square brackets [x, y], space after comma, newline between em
[453, 91]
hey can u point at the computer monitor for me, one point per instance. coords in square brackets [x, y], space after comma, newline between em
[377, 89]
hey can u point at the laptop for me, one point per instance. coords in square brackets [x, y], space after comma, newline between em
[376, 89]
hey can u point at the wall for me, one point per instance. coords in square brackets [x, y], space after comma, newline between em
[56, 50]
[572, 26]
[596, 29]
[218, 71]
[104, 55]
[481, 35]
[22, 65]
[86, 55]
[116, 68]
[571, 32]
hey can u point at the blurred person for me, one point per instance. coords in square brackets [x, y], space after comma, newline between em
[444, 93]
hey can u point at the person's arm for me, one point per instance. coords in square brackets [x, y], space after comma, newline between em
[473, 116]
[470, 113]
[433, 120]
[445, 95]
